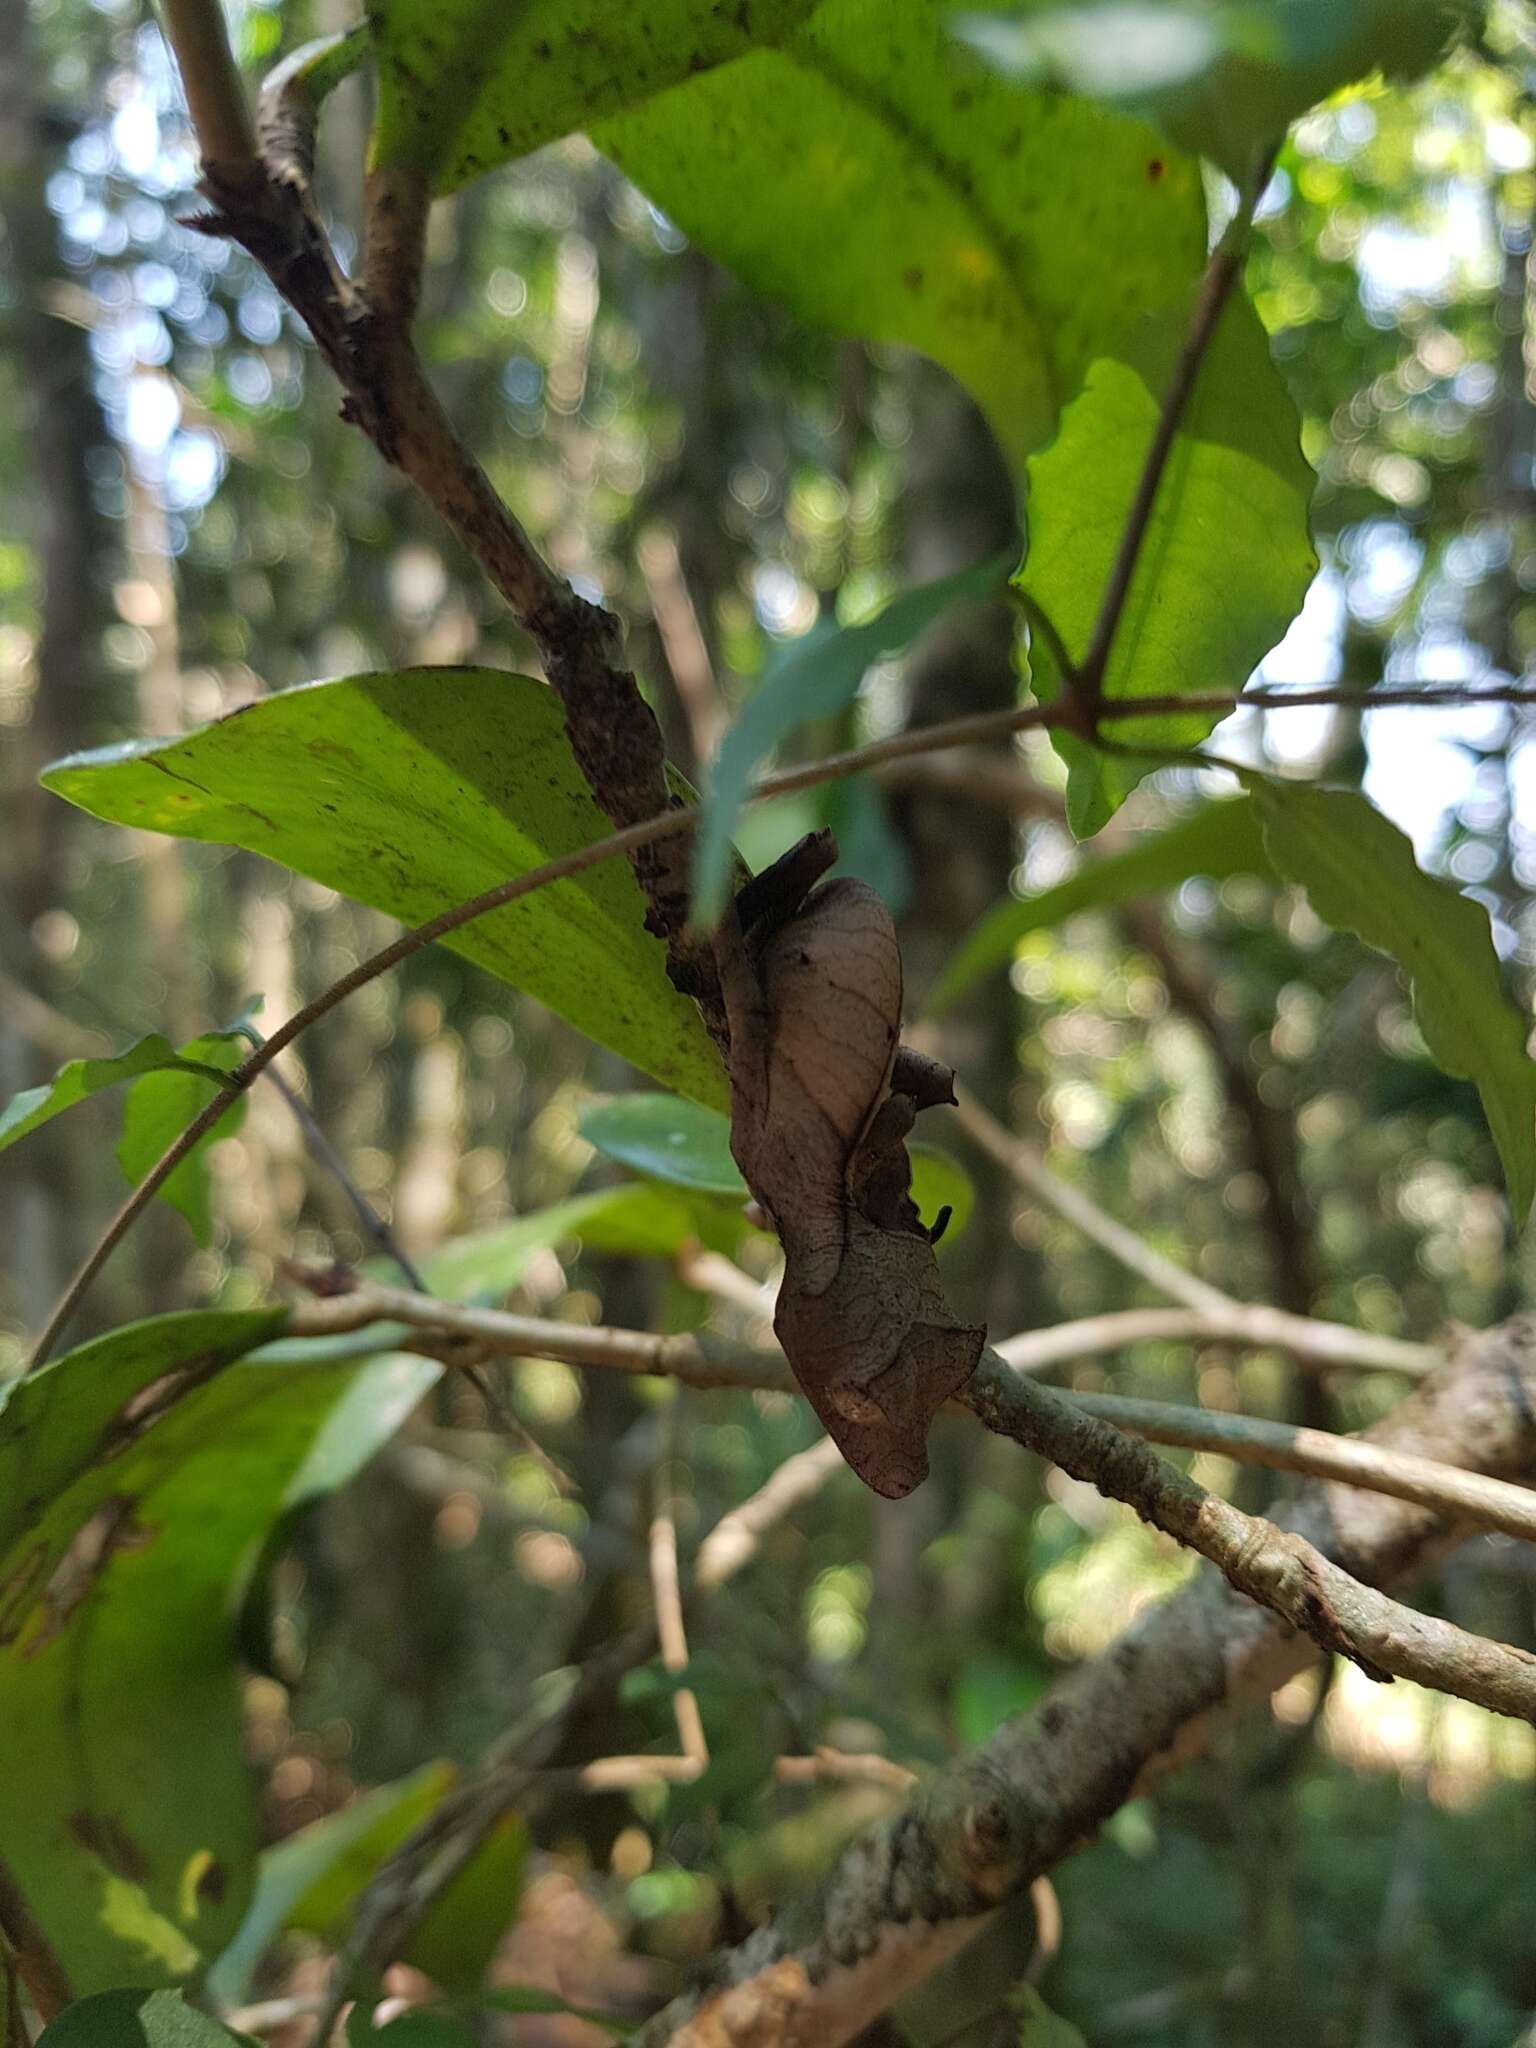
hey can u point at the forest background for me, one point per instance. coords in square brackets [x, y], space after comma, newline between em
[189, 529]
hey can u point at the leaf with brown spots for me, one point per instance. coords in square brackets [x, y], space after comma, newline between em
[138, 1476]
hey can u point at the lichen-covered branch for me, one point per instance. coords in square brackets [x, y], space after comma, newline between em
[917, 1889]
[1277, 1568]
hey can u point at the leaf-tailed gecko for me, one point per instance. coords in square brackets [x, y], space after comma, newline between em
[822, 1098]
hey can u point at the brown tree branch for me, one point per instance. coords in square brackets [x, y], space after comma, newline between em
[919, 1888]
[364, 333]
[734, 1540]
[1285, 1447]
[216, 101]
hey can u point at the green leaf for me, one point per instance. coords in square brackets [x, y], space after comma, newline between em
[1039, 2027]
[689, 1147]
[934, 203]
[314, 1875]
[939, 1182]
[667, 1138]
[77, 1079]
[941, 205]
[422, 2027]
[464, 87]
[1360, 876]
[814, 677]
[531, 1998]
[1219, 839]
[161, 1105]
[1008, 232]
[312, 1881]
[412, 792]
[458, 1937]
[642, 1222]
[1223, 79]
[136, 2019]
[139, 1476]
[1226, 559]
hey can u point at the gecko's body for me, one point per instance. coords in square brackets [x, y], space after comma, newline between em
[822, 1100]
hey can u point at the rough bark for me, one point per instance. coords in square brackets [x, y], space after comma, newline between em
[914, 1891]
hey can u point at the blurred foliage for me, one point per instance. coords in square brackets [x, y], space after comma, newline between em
[727, 477]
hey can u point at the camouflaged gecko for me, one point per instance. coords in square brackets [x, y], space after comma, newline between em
[822, 1099]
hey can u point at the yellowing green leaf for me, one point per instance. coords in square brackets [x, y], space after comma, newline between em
[412, 792]
[931, 201]
[465, 85]
[943, 205]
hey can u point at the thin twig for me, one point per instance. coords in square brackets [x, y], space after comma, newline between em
[682, 639]
[268, 2014]
[47, 1028]
[1269, 1133]
[698, 1359]
[714, 1274]
[388, 1246]
[706, 1361]
[1255, 1326]
[845, 1767]
[1220, 1315]
[1284, 1447]
[17, 2032]
[614, 1773]
[1027, 1167]
[374, 1228]
[976, 776]
[389, 956]
[979, 726]
[735, 1538]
